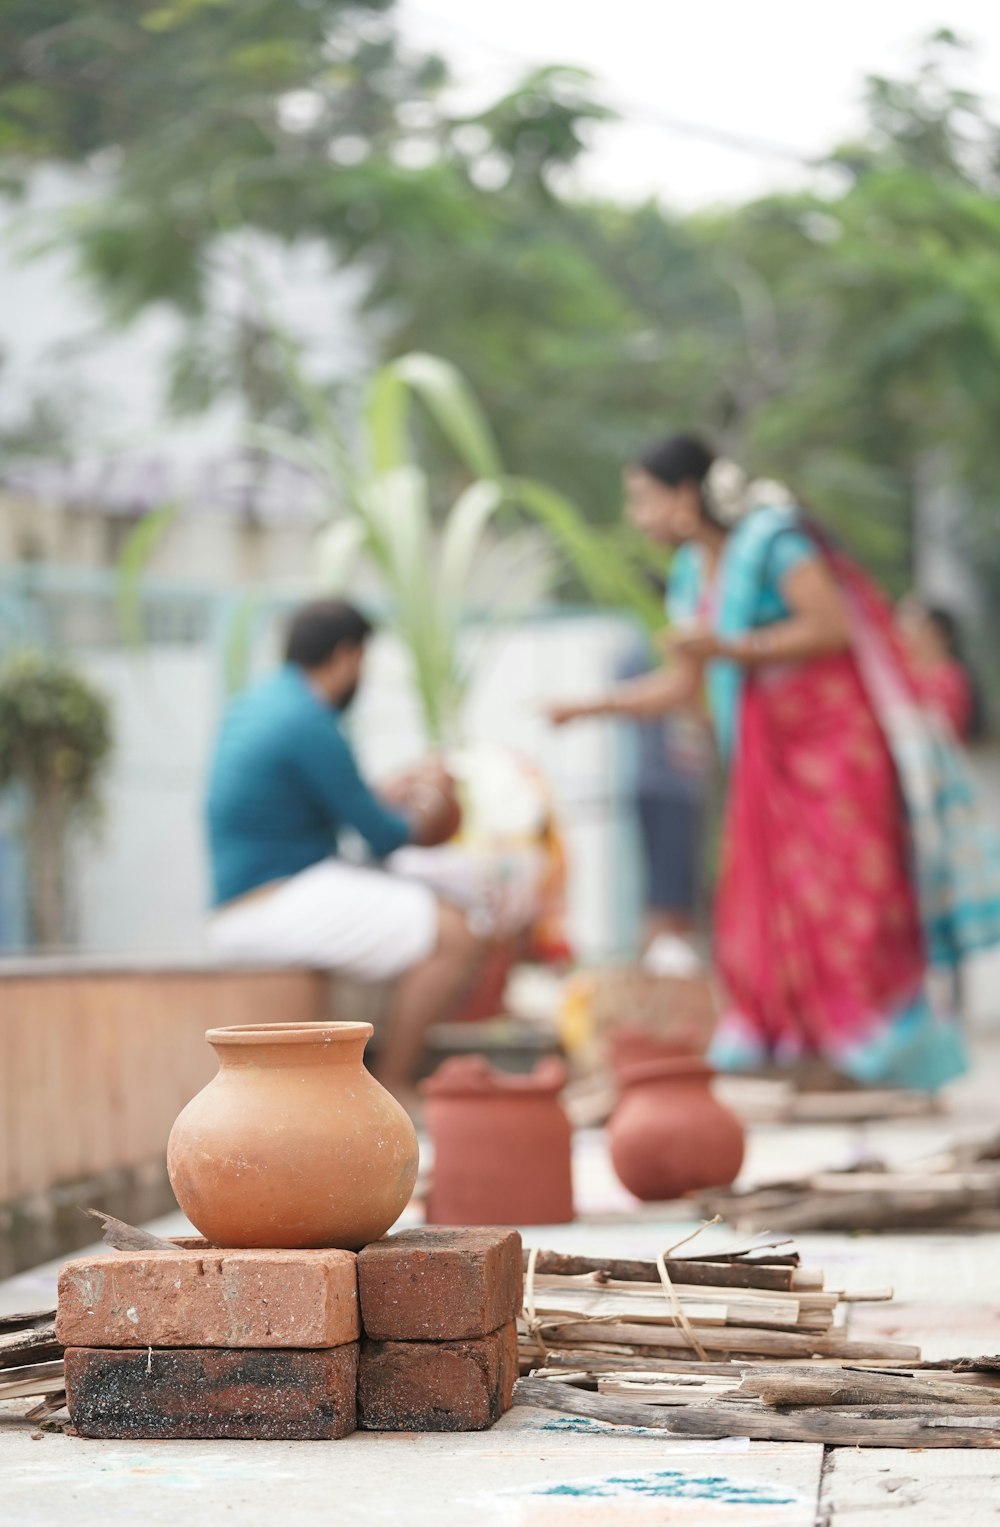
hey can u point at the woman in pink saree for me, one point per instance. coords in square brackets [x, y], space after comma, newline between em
[851, 856]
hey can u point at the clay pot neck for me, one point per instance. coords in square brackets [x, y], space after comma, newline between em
[295, 1046]
[688, 1072]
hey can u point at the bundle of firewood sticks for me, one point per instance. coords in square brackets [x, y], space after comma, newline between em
[755, 1302]
[746, 1343]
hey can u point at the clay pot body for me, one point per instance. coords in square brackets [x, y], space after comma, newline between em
[502, 1145]
[293, 1142]
[448, 823]
[669, 1135]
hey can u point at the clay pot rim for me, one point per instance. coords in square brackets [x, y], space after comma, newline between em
[289, 1033]
[668, 1068]
[489, 1082]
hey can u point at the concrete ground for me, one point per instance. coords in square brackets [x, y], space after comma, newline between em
[542, 1468]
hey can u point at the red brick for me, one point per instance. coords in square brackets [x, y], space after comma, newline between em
[209, 1298]
[437, 1386]
[440, 1284]
[280, 1396]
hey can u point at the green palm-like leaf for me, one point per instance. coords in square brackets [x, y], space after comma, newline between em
[455, 408]
[462, 536]
[597, 558]
[237, 642]
[385, 420]
[133, 562]
[338, 548]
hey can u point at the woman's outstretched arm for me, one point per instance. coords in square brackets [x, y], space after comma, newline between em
[668, 689]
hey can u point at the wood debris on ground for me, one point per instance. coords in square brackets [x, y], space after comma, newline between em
[745, 1343]
[755, 1302]
[589, 1101]
[758, 1100]
[31, 1362]
[954, 1189]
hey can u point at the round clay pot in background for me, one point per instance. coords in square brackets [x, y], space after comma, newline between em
[502, 1145]
[631, 1045]
[669, 1135]
[448, 820]
[293, 1142]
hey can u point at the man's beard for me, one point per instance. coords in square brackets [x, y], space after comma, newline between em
[346, 700]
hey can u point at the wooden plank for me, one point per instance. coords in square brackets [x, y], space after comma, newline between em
[15, 1346]
[39, 1378]
[752, 1343]
[647, 1302]
[95, 1066]
[839, 1387]
[860, 1427]
[721, 1274]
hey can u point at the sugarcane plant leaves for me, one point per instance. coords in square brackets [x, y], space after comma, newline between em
[133, 563]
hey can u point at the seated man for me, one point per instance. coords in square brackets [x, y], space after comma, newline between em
[284, 781]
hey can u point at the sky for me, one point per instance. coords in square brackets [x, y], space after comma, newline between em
[785, 74]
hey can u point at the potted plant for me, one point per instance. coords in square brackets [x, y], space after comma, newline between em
[55, 742]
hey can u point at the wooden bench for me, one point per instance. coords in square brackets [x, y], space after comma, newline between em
[96, 1062]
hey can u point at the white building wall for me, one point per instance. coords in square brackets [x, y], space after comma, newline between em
[142, 885]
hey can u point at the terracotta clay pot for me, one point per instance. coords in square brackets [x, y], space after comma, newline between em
[293, 1142]
[629, 1045]
[502, 1145]
[449, 821]
[669, 1135]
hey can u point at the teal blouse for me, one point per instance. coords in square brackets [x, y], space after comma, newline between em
[749, 592]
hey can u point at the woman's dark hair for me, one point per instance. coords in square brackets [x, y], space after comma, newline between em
[318, 629]
[950, 632]
[677, 459]
[681, 458]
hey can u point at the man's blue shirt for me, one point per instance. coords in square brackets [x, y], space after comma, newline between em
[284, 781]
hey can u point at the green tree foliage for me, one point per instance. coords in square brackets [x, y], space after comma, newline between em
[205, 115]
[835, 337]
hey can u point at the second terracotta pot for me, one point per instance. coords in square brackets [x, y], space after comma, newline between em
[293, 1142]
[502, 1145]
[669, 1135]
[630, 1045]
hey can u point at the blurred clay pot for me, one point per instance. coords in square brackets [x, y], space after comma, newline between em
[502, 1145]
[669, 1135]
[293, 1142]
[629, 1045]
[446, 823]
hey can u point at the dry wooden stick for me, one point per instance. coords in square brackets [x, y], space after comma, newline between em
[723, 1274]
[798, 1386]
[24, 1321]
[123, 1237]
[861, 1427]
[38, 1378]
[33, 1341]
[738, 1341]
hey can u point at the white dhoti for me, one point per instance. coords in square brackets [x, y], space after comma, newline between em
[368, 923]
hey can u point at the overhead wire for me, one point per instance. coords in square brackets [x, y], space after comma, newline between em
[629, 110]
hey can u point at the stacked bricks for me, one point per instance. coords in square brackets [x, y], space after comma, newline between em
[201, 1342]
[439, 1310]
[206, 1343]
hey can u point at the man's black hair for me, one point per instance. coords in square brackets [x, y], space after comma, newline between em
[318, 629]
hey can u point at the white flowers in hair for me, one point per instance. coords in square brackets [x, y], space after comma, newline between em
[730, 495]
